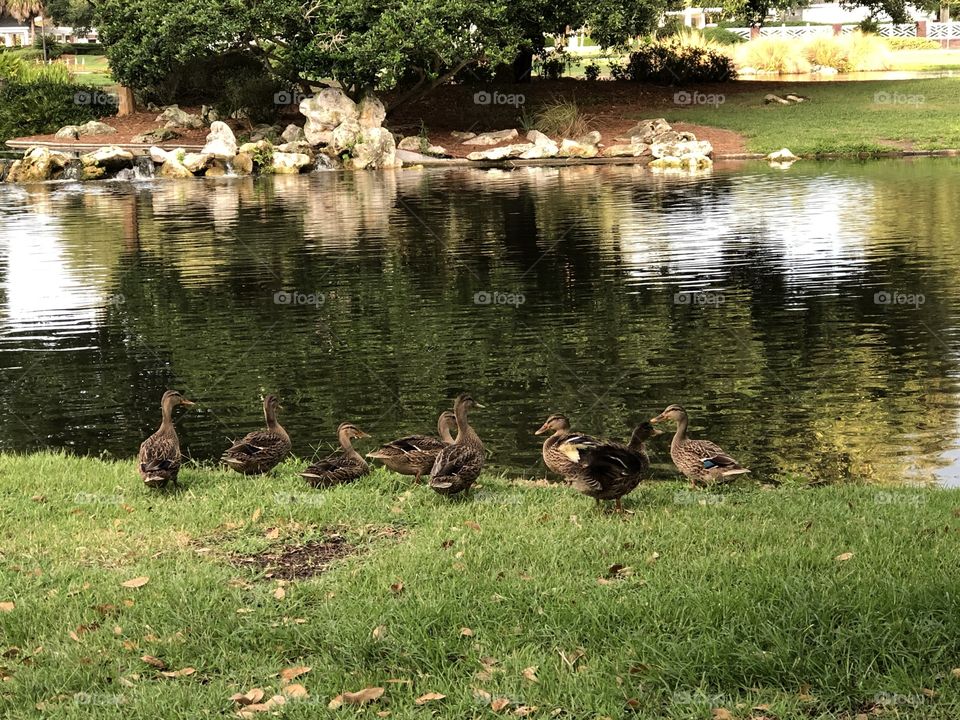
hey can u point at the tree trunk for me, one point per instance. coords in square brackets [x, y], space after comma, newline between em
[523, 66]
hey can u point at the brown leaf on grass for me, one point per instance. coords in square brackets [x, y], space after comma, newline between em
[499, 704]
[466, 632]
[136, 582]
[928, 692]
[843, 557]
[361, 697]
[379, 632]
[251, 697]
[182, 672]
[279, 593]
[571, 658]
[653, 558]
[722, 714]
[956, 673]
[257, 514]
[397, 588]
[272, 534]
[525, 710]
[473, 525]
[530, 674]
[156, 662]
[429, 697]
[73, 636]
[39, 498]
[295, 691]
[482, 696]
[288, 674]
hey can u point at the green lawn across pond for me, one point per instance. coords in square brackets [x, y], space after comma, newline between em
[840, 117]
[803, 602]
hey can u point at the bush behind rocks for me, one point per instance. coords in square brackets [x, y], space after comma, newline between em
[43, 106]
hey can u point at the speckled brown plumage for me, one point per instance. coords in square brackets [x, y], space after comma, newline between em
[415, 454]
[261, 450]
[159, 457]
[458, 465]
[339, 468]
[701, 461]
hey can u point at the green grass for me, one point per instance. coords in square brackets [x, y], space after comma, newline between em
[926, 59]
[733, 599]
[840, 117]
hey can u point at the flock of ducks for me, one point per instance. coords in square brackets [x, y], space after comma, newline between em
[601, 469]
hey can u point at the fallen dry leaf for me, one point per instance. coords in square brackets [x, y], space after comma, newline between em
[256, 515]
[251, 697]
[361, 697]
[7, 606]
[844, 557]
[482, 696]
[499, 704]
[396, 588]
[572, 658]
[156, 662]
[525, 710]
[429, 697]
[182, 672]
[295, 691]
[530, 674]
[466, 632]
[73, 636]
[272, 534]
[136, 582]
[956, 673]
[288, 674]
[279, 593]
[379, 632]
[473, 525]
[722, 714]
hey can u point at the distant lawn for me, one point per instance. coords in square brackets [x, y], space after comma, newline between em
[840, 117]
[926, 60]
[94, 71]
[787, 603]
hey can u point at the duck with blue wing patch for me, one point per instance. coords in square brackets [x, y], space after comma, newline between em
[701, 461]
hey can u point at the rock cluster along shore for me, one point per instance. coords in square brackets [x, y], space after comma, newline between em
[338, 132]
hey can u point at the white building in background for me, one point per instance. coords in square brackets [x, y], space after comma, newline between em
[14, 33]
[836, 13]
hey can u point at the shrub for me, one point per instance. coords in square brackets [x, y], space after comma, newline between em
[54, 49]
[827, 52]
[54, 73]
[255, 96]
[44, 106]
[592, 71]
[865, 52]
[553, 65]
[773, 55]
[673, 61]
[722, 36]
[561, 117]
[911, 43]
[856, 52]
[11, 66]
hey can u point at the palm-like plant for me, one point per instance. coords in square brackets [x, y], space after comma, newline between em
[21, 9]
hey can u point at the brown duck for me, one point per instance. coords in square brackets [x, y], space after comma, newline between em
[553, 456]
[159, 457]
[458, 465]
[339, 468]
[415, 454]
[701, 461]
[261, 450]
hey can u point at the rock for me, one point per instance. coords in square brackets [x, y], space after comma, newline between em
[682, 149]
[771, 98]
[252, 148]
[372, 112]
[68, 131]
[243, 163]
[690, 163]
[782, 155]
[572, 148]
[497, 153]
[110, 158]
[460, 135]
[173, 117]
[668, 136]
[196, 162]
[492, 138]
[174, 168]
[155, 136]
[38, 164]
[376, 149]
[686, 135]
[265, 132]
[627, 150]
[300, 146]
[293, 133]
[538, 138]
[92, 172]
[208, 114]
[414, 143]
[221, 142]
[218, 167]
[345, 136]
[827, 70]
[540, 150]
[289, 163]
[591, 138]
[436, 150]
[646, 130]
[325, 111]
[159, 155]
[95, 127]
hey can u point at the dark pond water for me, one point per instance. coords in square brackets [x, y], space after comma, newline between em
[788, 357]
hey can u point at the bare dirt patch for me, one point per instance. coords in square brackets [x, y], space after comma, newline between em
[298, 561]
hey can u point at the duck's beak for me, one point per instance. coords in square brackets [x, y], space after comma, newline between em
[656, 431]
[184, 401]
[658, 418]
[543, 429]
[362, 434]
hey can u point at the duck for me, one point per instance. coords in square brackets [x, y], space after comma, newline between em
[415, 454]
[608, 470]
[458, 465]
[159, 457]
[701, 461]
[553, 455]
[261, 450]
[342, 467]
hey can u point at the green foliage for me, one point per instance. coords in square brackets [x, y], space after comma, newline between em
[252, 95]
[592, 71]
[552, 66]
[560, 117]
[54, 49]
[677, 61]
[45, 105]
[53, 73]
[722, 36]
[11, 66]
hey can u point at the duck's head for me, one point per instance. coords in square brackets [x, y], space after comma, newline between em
[350, 431]
[554, 422]
[465, 401]
[645, 431]
[447, 420]
[671, 412]
[173, 398]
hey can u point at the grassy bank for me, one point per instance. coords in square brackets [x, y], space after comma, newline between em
[815, 603]
[840, 117]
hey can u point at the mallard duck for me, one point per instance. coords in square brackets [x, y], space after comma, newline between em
[700, 460]
[553, 456]
[339, 468]
[261, 450]
[415, 454]
[458, 465]
[160, 453]
[608, 470]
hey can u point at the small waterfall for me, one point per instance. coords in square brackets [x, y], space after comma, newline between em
[72, 171]
[143, 168]
[324, 162]
[126, 175]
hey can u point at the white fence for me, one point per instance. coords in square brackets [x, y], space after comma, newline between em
[935, 30]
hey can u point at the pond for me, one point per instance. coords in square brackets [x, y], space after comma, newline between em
[807, 319]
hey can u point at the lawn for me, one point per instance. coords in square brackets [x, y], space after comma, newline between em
[523, 600]
[839, 117]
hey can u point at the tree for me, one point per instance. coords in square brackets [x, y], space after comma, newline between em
[21, 9]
